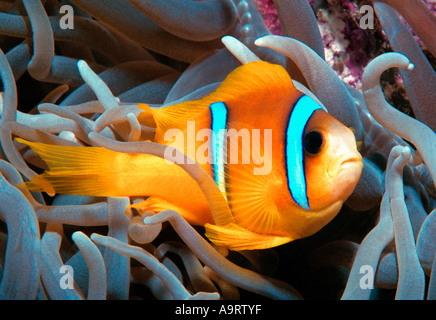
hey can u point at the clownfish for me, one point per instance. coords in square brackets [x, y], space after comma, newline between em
[283, 164]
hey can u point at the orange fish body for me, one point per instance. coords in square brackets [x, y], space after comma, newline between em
[284, 165]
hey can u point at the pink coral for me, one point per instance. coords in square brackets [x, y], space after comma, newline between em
[348, 47]
[269, 13]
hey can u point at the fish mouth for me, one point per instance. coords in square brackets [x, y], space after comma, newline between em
[344, 162]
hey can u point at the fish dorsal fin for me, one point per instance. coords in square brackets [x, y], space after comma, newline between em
[252, 83]
[173, 117]
[255, 82]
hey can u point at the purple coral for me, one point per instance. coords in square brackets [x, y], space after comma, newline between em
[269, 14]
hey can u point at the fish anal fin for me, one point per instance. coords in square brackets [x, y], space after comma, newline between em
[234, 237]
[158, 204]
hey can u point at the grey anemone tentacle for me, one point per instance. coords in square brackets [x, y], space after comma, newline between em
[43, 41]
[23, 233]
[419, 82]
[232, 273]
[426, 242]
[431, 293]
[58, 285]
[298, 21]
[141, 233]
[411, 278]
[118, 266]
[194, 268]
[369, 252]
[96, 266]
[104, 95]
[239, 50]
[119, 79]
[420, 18]
[202, 73]
[191, 20]
[18, 58]
[408, 128]
[252, 26]
[198, 75]
[9, 100]
[170, 281]
[86, 32]
[144, 31]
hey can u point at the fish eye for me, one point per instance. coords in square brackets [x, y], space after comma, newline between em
[313, 142]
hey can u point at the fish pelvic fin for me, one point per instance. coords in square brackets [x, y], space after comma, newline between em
[74, 170]
[237, 238]
[146, 117]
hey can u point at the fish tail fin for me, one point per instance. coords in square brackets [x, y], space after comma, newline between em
[38, 184]
[238, 238]
[73, 170]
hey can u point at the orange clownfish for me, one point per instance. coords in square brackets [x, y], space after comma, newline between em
[284, 165]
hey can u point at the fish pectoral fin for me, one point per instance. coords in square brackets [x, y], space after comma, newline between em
[235, 237]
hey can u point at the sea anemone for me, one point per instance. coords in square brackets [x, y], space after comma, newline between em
[73, 72]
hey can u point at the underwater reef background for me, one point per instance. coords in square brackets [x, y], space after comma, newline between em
[378, 79]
